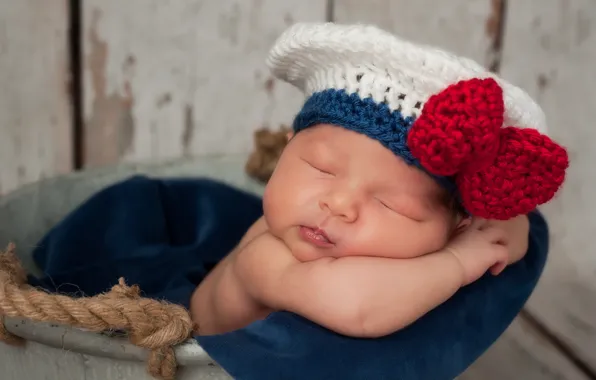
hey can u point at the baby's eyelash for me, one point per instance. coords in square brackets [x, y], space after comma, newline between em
[407, 214]
[317, 168]
[323, 171]
[385, 204]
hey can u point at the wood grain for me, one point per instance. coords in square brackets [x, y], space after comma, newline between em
[35, 113]
[550, 50]
[467, 27]
[522, 353]
[166, 78]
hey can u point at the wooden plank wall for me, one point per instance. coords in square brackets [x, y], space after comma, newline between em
[35, 109]
[550, 49]
[163, 79]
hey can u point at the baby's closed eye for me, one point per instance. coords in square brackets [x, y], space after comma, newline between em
[406, 208]
[324, 169]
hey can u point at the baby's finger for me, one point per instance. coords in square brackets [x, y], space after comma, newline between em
[496, 269]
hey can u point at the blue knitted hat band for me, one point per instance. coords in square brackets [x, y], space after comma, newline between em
[365, 116]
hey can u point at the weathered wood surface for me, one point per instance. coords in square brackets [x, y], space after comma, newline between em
[467, 27]
[35, 113]
[172, 78]
[522, 353]
[550, 50]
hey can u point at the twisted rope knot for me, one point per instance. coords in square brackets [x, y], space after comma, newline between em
[155, 325]
[10, 267]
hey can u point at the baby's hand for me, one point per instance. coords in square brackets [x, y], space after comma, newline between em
[480, 248]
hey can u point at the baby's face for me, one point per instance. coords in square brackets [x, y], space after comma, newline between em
[338, 193]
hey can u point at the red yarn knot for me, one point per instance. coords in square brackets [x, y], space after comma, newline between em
[528, 170]
[458, 129]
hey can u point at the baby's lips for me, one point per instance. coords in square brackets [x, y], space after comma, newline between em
[323, 233]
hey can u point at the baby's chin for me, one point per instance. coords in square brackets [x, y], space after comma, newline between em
[305, 253]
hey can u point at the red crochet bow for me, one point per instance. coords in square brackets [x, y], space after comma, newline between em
[501, 172]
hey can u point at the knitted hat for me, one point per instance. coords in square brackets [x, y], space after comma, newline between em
[467, 128]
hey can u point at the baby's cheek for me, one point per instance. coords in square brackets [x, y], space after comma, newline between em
[410, 239]
[270, 205]
[435, 236]
[279, 209]
[373, 240]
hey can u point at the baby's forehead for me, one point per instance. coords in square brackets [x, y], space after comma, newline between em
[338, 139]
[369, 158]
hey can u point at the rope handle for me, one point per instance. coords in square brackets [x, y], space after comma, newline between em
[151, 324]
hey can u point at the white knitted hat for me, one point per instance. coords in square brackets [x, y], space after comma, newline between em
[472, 131]
[367, 60]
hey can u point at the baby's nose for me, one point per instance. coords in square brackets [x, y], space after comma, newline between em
[341, 204]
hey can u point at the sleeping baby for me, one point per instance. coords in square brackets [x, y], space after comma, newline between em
[408, 175]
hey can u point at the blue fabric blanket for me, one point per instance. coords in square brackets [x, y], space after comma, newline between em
[166, 234]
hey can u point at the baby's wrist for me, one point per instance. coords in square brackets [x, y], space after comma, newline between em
[458, 264]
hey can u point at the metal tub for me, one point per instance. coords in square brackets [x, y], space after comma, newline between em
[66, 353]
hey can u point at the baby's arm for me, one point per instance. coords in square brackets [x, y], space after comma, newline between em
[362, 296]
[356, 296]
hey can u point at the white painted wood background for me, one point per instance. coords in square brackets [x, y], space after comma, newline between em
[164, 79]
[35, 113]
